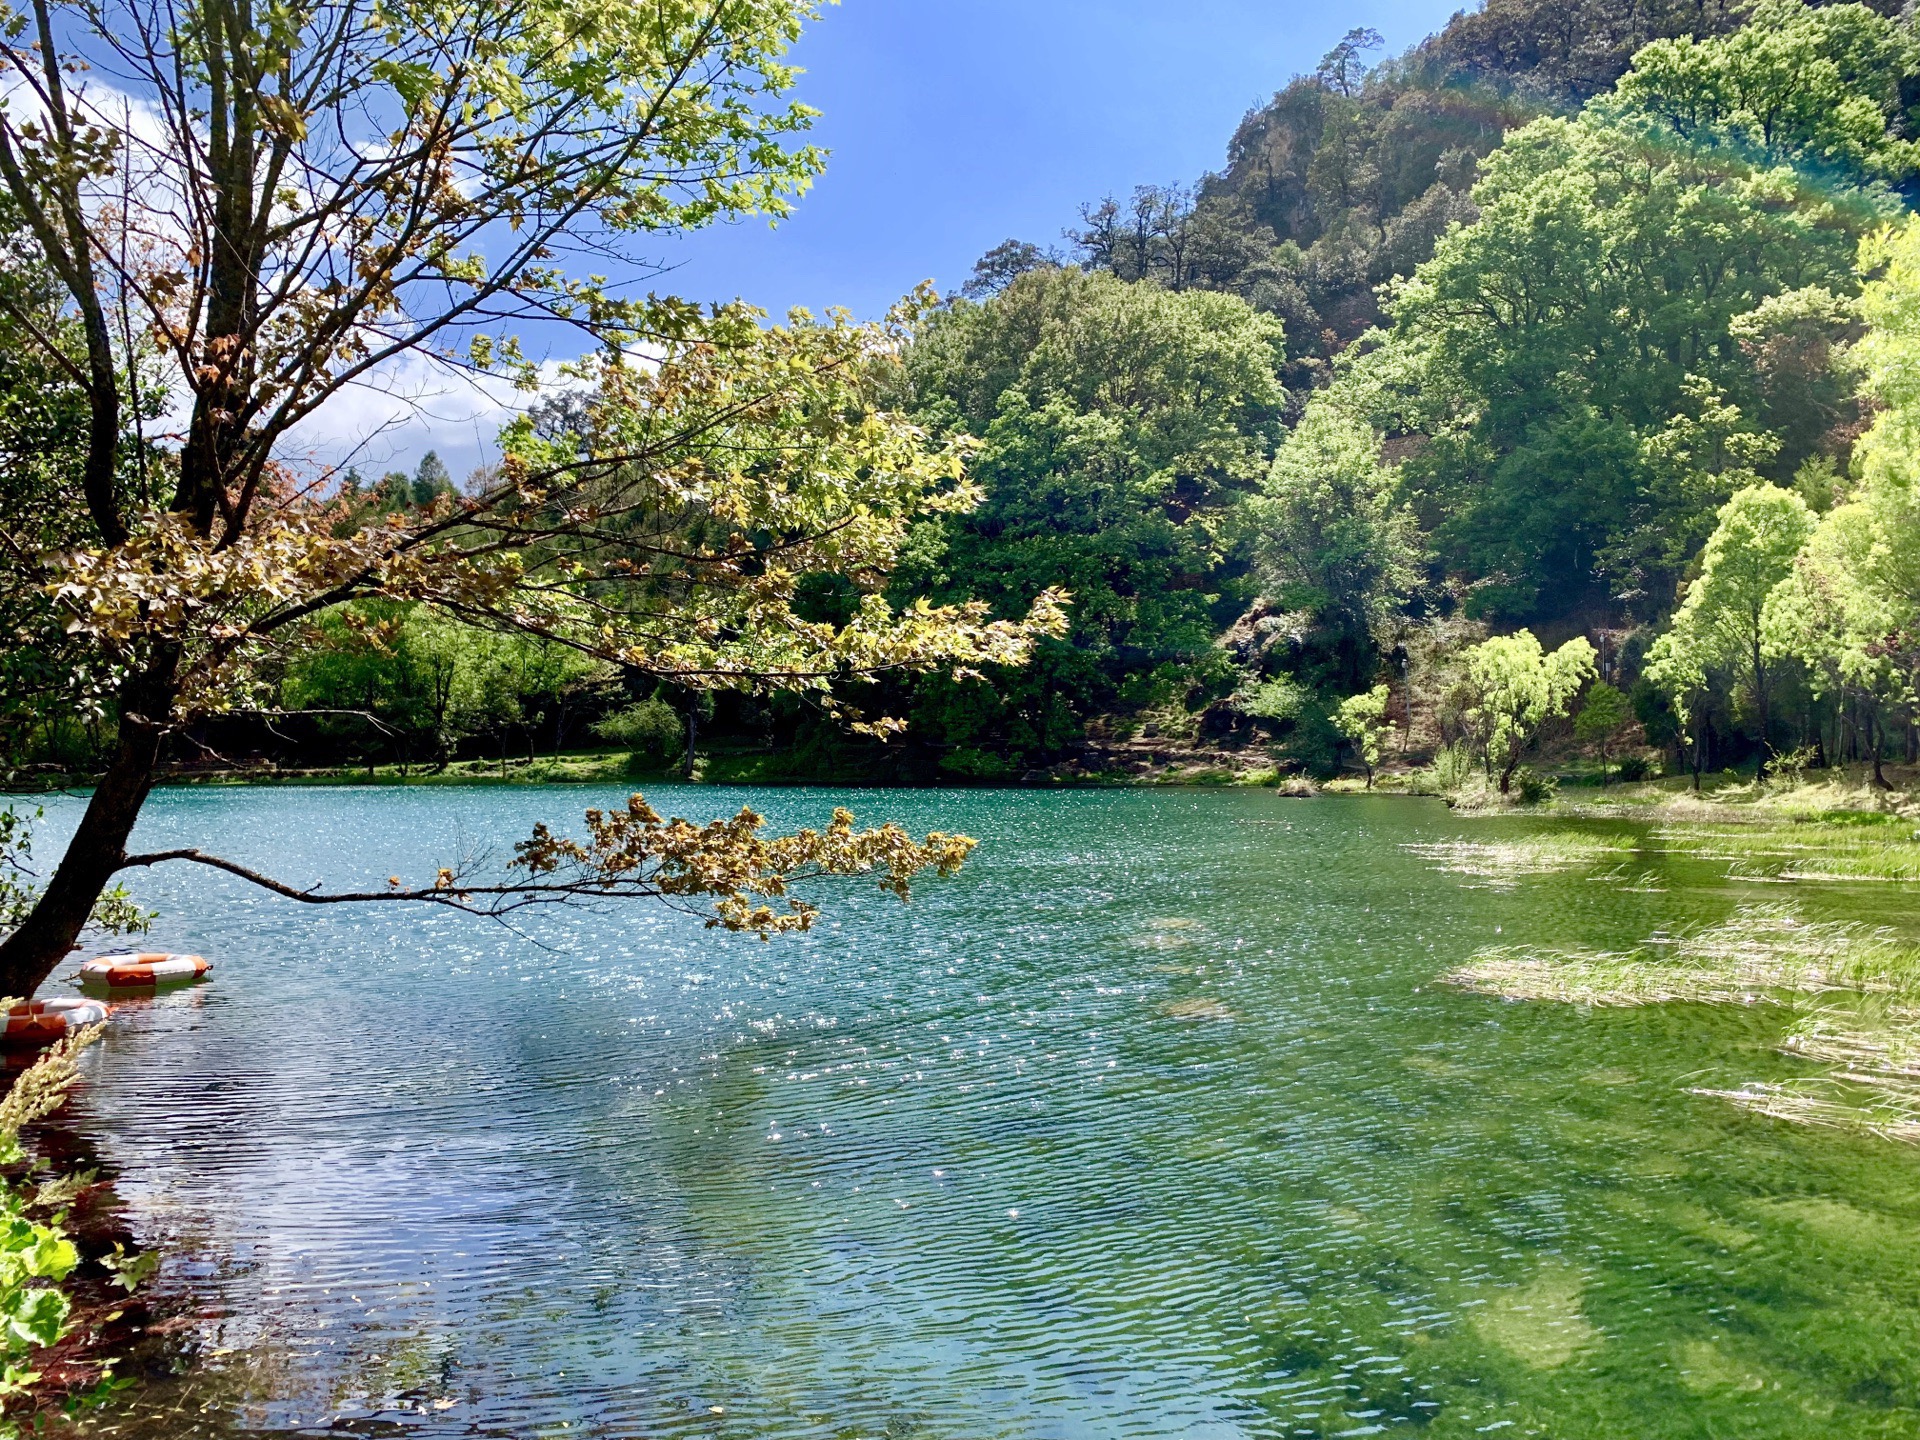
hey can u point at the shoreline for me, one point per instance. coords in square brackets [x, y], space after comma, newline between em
[117, 1336]
[1831, 797]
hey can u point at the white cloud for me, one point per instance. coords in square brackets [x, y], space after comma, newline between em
[386, 420]
[414, 403]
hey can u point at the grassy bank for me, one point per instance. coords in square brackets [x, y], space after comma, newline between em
[721, 765]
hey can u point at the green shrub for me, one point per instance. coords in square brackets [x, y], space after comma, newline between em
[976, 763]
[1788, 771]
[1453, 767]
[1533, 787]
[1314, 742]
[1632, 768]
[1280, 699]
[35, 1253]
[652, 731]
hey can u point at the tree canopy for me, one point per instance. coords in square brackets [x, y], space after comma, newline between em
[1116, 426]
[1595, 330]
[1720, 628]
[1510, 688]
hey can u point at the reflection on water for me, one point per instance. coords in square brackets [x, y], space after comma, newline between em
[1152, 1124]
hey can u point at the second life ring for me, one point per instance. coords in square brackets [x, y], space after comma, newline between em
[36, 1023]
[142, 972]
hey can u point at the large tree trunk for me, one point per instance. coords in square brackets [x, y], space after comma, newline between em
[99, 845]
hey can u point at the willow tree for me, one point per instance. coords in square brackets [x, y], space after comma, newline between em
[1851, 608]
[1720, 628]
[1829, 616]
[1510, 689]
[261, 205]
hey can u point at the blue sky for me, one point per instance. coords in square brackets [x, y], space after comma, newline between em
[953, 124]
[957, 123]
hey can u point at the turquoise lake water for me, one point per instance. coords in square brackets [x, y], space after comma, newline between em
[1152, 1123]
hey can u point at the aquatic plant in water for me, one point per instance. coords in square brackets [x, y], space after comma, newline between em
[1501, 863]
[1874, 848]
[1873, 1049]
[1760, 952]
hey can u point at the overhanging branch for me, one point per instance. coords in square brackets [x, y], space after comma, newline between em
[492, 901]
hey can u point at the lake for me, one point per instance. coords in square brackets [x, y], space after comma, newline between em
[1152, 1123]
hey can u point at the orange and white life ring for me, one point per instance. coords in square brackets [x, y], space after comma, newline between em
[141, 972]
[35, 1023]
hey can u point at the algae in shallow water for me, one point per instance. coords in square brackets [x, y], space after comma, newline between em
[1540, 1324]
[1872, 1050]
[1768, 953]
[1198, 1008]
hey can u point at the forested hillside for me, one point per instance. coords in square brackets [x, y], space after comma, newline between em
[1348, 175]
[1555, 286]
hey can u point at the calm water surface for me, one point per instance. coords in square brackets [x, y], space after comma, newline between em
[1152, 1124]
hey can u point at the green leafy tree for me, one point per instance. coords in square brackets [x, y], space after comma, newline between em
[1602, 715]
[1510, 689]
[652, 732]
[328, 189]
[1889, 453]
[1829, 616]
[1720, 628]
[420, 683]
[1002, 265]
[1850, 610]
[1362, 722]
[1577, 359]
[1334, 538]
[51, 684]
[431, 480]
[1350, 174]
[352, 670]
[1116, 427]
[1572, 363]
[502, 683]
[1817, 85]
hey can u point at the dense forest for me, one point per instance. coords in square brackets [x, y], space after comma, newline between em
[1563, 295]
[1579, 323]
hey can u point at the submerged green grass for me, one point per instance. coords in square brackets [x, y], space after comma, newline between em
[1865, 1033]
[1761, 952]
[1502, 863]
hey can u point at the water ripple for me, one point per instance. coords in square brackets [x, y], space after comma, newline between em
[1151, 1124]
